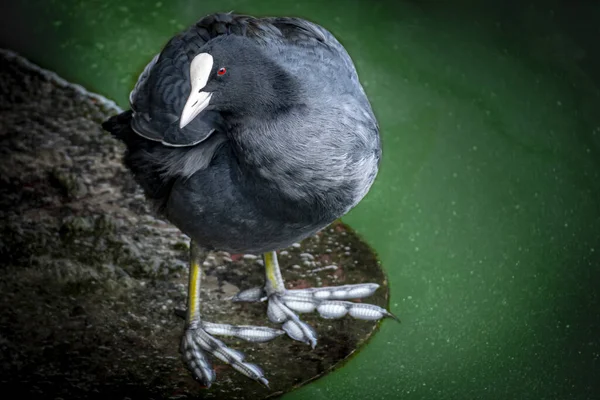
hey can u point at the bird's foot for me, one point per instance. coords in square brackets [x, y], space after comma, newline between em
[198, 341]
[330, 302]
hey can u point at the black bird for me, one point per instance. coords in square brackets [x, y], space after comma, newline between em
[250, 134]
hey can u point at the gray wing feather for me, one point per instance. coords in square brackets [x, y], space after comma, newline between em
[330, 68]
[308, 34]
[140, 88]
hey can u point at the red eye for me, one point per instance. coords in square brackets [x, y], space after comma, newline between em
[221, 71]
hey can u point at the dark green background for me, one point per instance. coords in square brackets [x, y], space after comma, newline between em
[485, 213]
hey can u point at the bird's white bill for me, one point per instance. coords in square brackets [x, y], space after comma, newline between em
[198, 100]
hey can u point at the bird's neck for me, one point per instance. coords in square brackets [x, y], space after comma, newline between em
[263, 139]
[270, 93]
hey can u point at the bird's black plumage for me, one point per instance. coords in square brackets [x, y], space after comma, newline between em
[288, 144]
[249, 135]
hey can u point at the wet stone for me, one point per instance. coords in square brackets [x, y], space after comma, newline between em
[90, 278]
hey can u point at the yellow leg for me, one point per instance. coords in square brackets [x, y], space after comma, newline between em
[273, 274]
[198, 341]
[193, 306]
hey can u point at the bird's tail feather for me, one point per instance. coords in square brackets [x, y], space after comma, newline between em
[141, 159]
[120, 127]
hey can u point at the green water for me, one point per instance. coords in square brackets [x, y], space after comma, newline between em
[485, 214]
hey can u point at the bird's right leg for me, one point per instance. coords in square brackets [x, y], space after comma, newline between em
[198, 340]
[330, 302]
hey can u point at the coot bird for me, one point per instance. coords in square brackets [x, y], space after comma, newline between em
[250, 134]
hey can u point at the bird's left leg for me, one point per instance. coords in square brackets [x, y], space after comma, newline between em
[198, 340]
[330, 302]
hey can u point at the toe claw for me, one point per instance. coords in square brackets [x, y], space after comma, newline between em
[265, 382]
[393, 316]
[252, 371]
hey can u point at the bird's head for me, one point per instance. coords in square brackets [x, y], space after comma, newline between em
[233, 75]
